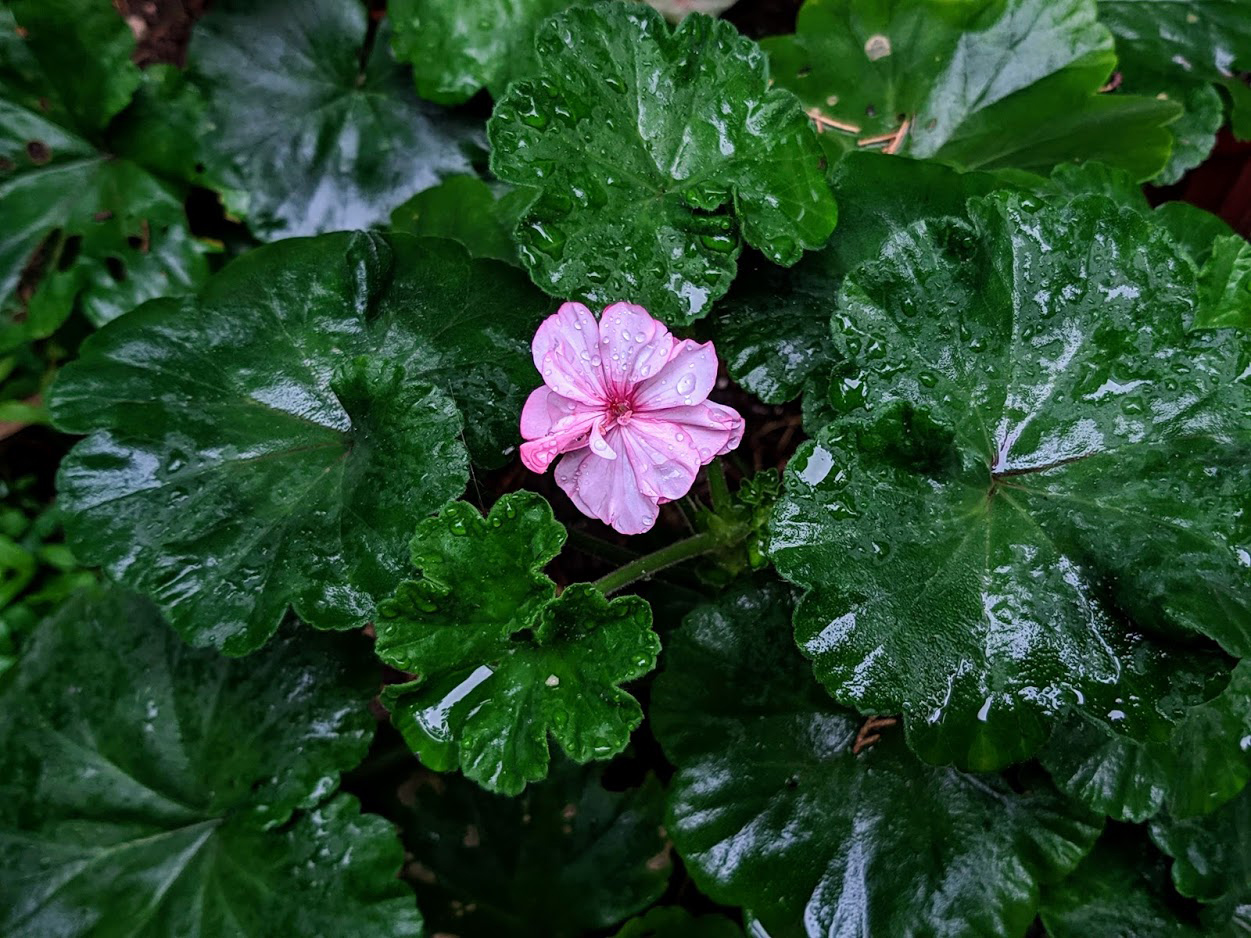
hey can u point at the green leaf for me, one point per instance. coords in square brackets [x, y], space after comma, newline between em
[82, 226]
[675, 922]
[312, 126]
[464, 209]
[502, 665]
[1194, 132]
[773, 809]
[153, 790]
[457, 49]
[1169, 737]
[1212, 862]
[773, 328]
[657, 152]
[273, 442]
[1225, 285]
[980, 85]
[1198, 41]
[561, 860]
[1040, 448]
[1121, 888]
[84, 50]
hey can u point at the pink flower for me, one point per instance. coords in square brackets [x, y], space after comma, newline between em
[629, 403]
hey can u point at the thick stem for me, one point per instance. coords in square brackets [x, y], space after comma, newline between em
[717, 487]
[649, 564]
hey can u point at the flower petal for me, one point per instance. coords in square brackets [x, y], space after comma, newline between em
[687, 378]
[599, 446]
[711, 429]
[665, 468]
[566, 350]
[633, 346]
[607, 489]
[553, 425]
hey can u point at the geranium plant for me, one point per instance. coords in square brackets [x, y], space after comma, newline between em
[588, 468]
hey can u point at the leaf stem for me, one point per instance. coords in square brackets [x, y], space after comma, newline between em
[717, 487]
[649, 564]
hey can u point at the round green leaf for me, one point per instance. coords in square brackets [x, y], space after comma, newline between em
[563, 859]
[1121, 889]
[457, 49]
[1037, 450]
[772, 808]
[99, 231]
[153, 790]
[501, 663]
[466, 210]
[1212, 862]
[272, 443]
[1167, 740]
[973, 83]
[312, 126]
[657, 152]
[1225, 284]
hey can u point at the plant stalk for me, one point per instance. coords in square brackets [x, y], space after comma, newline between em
[649, 564]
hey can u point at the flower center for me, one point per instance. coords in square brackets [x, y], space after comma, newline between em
[620, 412]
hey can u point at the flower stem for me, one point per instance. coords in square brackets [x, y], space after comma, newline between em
[648, 564]
[717, 487]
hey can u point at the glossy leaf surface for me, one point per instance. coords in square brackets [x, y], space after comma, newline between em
[978, 84]
[501, 664]
[457, 49]
[1041, 451]
[273, 442]
[772, 808]
[1121, 889]
[657, 153]
[560, 860]
[1225, 284]
[92, 229]
[312, 126]
[153, 790]
[465, 209]
[1168, 737]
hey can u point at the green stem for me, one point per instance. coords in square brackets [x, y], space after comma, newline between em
[718, 488]
[652, 563]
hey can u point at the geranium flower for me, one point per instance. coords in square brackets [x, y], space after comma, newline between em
[629, 405]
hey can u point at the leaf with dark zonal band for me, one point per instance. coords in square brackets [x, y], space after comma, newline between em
[1168, 739]
[563, 859]
[1121, 890]
[1036, 452]
[312, 126]
[86, 227]
[273, 442]
[457, 49]
[978, 84]
[501, 664]
[657, 152]
[776, 807]
[1212, 862]
[153, 790]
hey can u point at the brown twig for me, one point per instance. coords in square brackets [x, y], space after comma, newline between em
[822, 121]
[868, 734]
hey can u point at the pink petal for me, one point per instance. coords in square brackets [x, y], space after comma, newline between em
[664, 468]
[553, 425]
[608, 489]
[566, 351]
[633, 346]
[687, 378]
[711, 429]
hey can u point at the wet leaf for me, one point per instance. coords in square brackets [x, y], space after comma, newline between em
[1171, 737]
[1122, 888]
[1200, 41]
[1194, 132]
[1212, 862]
[273, 442]
[1043, 451]
[502, 665]
[466, 210]
[85, 228]
[776, 807]
[979, 85]
[1225, 284]
[675, 922]
[657, 153]
[312, 127]
[153, 790]
[564, 858]
[457, 49]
